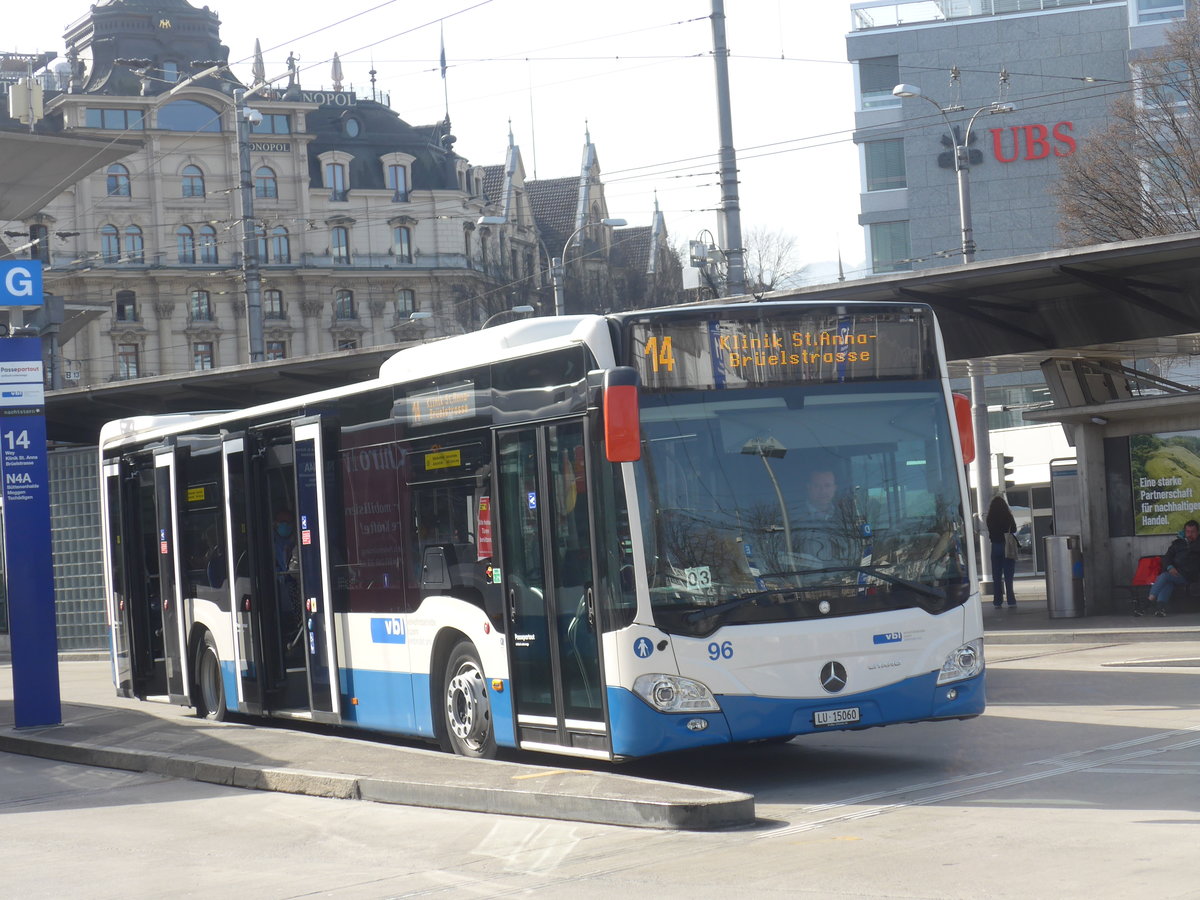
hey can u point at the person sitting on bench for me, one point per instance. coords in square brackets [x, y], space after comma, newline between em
[1180, 565]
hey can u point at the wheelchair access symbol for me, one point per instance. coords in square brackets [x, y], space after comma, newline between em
[642, 648]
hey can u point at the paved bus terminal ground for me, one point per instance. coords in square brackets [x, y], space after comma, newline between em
[102, 729]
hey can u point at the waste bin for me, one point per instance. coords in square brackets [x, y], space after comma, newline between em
[1064, 576]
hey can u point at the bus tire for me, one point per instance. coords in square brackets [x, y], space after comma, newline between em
[466, 711]
[210, 689]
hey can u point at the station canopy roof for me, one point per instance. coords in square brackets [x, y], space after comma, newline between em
[1125, 301]
[1128, 300]
[38, 167]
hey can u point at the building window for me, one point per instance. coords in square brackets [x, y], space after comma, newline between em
[1159, 10]
[115, 119]
[126, 306]
[260, 235]
[397, 182]
[352, 127]
[341, 245]
[170, 72]
[117, 181]
[347, 344]
[467, 246]
[202, 356]
[885, 165]
[135, 245]
[273, 305]
[208, 245]
[281, 245]
[110, 244]
[272, 123]
[188, 116]
[200, 308]
[889, 247]
[876, 78]
[343, 305]
[193, 181]
[185, 238]
[127, 361]
[276, 350]
[265, 185]
[335, 180]
[406, 303]
[402, 243]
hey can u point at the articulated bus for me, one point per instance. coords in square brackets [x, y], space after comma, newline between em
[589, 535]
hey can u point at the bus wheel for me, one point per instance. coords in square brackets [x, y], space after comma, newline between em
[465, 703]
[210, 690]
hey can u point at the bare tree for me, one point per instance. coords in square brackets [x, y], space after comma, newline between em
[1140, 174]
[770, 259]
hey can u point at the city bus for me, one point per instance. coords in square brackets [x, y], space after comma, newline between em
[588, 535]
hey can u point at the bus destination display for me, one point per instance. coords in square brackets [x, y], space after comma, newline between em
[703, 354]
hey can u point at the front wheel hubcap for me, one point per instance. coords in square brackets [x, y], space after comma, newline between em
[467, 706]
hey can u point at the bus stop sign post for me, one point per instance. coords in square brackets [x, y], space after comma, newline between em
[28, 563]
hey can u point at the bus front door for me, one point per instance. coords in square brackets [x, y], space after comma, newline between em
[170, 582]
[316, 591]
[547, 565]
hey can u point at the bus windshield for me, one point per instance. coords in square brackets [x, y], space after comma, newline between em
[792, 502]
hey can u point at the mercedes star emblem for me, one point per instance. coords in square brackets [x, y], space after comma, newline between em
[833, 677]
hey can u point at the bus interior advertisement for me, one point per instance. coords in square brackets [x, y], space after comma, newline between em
[766, 345]
[787, 503]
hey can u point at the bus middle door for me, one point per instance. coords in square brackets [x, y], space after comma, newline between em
[313, 549]
[170, 581]
[546, 546]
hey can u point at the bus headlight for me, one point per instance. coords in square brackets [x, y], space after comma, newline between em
[965, 662]
[673, 693]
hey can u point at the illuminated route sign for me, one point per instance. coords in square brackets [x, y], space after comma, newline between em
[782, 346]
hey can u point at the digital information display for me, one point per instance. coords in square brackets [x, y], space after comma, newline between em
[782, 346]
[445, 404]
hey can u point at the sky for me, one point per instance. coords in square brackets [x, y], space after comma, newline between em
[638, 75]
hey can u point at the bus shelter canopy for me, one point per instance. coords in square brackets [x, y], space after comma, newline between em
[1127, 300]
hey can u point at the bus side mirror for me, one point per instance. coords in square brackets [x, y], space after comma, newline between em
[966, 431]
[622, 429]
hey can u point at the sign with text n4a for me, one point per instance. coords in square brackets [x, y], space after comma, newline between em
[21, 282]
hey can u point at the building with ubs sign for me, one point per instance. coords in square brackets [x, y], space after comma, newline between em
[1063, 61]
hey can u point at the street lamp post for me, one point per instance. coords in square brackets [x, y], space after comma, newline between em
[521, 309]
[557, 268]
[245, 117]
[979, 417]
[962, 167]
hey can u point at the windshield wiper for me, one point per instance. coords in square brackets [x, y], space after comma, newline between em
[697, 615]
[733, 603]
[914, 586]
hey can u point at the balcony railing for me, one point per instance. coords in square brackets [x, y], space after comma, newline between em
[897, 13]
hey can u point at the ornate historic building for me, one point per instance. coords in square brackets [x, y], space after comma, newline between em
[360, 219]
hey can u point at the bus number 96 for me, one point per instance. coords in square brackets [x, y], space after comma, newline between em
[720, 651]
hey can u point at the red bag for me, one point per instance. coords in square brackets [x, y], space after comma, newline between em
[1148, 569]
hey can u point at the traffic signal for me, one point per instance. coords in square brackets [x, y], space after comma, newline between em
[1004, 472]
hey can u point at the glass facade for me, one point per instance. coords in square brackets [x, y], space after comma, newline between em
[78, 557]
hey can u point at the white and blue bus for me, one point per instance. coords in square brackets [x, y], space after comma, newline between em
[588, 535]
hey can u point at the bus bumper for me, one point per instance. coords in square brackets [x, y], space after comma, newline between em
[639, 730]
